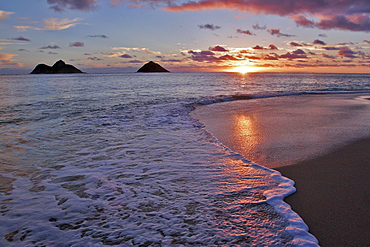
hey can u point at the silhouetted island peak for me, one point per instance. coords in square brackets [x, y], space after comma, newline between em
[152, 67]
[60, 67]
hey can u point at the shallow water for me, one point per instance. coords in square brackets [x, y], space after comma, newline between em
[116, 159]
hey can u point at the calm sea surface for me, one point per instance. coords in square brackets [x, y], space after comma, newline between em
[116, 159]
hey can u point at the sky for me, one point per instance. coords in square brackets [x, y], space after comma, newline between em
[112, 36]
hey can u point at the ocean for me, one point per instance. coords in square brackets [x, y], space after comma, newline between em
[117, 159]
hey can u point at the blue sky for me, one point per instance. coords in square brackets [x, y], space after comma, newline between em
[101, 36]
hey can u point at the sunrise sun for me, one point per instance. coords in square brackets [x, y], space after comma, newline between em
[244, 69]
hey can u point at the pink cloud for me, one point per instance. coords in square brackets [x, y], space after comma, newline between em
[332, 14]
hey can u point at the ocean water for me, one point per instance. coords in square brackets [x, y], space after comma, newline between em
[116, 159]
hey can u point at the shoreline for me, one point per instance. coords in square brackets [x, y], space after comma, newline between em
[321, 142]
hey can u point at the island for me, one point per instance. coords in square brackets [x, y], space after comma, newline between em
[152, 67]
[59, 67]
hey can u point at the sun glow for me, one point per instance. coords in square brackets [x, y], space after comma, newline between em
[244, 69]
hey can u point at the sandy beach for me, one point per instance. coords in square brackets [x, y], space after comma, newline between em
[319, 141]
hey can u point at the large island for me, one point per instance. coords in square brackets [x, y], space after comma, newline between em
[59, 67]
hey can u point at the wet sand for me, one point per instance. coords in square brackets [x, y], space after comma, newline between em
[333, 195]
[322, 142]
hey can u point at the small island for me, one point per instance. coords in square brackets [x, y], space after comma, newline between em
[152, 67]
[59, 67]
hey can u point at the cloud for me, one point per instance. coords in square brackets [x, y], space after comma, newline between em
[98, 36]
[294, 44]
[318, 42]
[244, 32]
[257, 47]
[5, 14]
[7, 60]
[76, 44]
[202, 56]
[270, 47]
[62, 5]
[54, 24]
[50, 47]
[367, 41]
[20, 38]
[94, 58]
[346, 52]
[278, 33]
[328, 56]
[323, 14]
[209, 26]
[125, 56]
[273, 47]
[331, 48]
[218, 48]
[294, 55]
[258, 27]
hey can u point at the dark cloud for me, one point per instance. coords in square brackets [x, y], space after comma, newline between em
[258, 47]
[77, 44]
[323, 14]
[20, 38]
[125, 56]
[244, 32]
[294, 44]
[278, 33]
[209, 26]
[209, 56]
[328, 56]
[272, 56]
[202, 56]
[331, 48]
[323, 35]
[62, 5]
[94, 58]
[258, 27]
[135, 61]
[346, 52]
[318, 42]
[218, 48]
[50, 47]
[273, 47]
[299, 52]
[228, 57]
[293, 55]
[98, 36]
